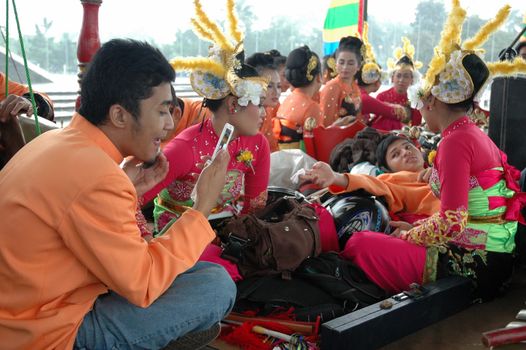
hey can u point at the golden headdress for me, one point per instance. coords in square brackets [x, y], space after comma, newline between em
[331, 63]
[223, 72]
[447, 77]
[404, 57]
[371, 71]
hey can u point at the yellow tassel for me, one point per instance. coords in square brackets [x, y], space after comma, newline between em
[370, 66]
[449, 41]
[198, 63]
[518, 65]
[487, 29]
[436, 65]
[200, 31]
[398, 53]
[450, 36]
[391, 64]
[212, 28]
[409, 49]
[232, 20]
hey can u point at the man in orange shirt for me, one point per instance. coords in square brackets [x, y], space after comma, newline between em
[75, 271]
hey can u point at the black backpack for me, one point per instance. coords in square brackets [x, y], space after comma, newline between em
[342, 279]
[326, 286]
[270, 295]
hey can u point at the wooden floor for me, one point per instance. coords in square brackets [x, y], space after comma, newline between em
[463, 330]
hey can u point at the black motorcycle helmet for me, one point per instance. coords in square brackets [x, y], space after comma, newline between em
[353, 213]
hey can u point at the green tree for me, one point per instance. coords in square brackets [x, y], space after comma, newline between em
[429, 21]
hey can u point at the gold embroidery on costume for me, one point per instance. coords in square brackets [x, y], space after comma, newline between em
[437, 230]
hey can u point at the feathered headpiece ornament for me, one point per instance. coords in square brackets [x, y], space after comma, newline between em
[223, 72]
[404, 57]
[447, 77]
[371, 71]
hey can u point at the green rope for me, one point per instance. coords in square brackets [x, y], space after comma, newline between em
[6, 48]
[31, 94]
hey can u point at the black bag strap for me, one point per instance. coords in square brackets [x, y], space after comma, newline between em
[253, 285]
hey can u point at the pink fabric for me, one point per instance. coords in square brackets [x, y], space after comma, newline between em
[328, 235]
[390, 262]
[388, 123]
[494, 202]
[212, 253]
[458, 157]
[184, 154]
[375, 106]
[488, 178]
[518, 201]
[514, 206]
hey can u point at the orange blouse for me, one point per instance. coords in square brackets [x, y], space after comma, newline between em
[266, 127]
[299, 108]
[333, 94]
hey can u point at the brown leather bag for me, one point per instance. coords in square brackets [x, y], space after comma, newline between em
[275, 239]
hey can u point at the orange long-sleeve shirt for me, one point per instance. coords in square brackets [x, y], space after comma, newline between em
[401, 190]
[267, 127]
[70, 234]
[331, 97]
[19, 90]
[298, 107]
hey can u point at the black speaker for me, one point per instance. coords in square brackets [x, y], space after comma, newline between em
[507, 122]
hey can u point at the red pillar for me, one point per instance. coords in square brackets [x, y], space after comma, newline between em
[89, 41]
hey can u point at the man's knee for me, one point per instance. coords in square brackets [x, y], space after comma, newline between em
[220, 282]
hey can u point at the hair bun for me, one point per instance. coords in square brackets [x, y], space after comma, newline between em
[261, 60]
[405, 60]
[297, 69]
[298, 57]
[350, 42]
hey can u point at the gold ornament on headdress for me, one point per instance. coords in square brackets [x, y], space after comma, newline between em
[371, 72]
[450, 38]
[331, 63]
[363, 49]
[446, 78]
[313, 62]
[214, 77]
[407, 50]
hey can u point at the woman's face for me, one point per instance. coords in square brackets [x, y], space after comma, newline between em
[347, 64]
[429, 114]
[273, 88]
[248, 119]
[285, 85]
[402, 80]
[402, 155]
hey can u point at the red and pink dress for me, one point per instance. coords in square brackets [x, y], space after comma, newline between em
[246, 181]
[390, 122]
[371, 105]
[472, 235]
